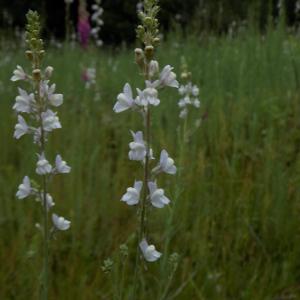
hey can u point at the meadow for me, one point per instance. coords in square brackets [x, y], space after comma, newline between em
[234, 218]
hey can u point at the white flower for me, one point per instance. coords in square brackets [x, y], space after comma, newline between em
[153, 67]
[60, 223]
[24, 101]
[149, 251]
[61, 166]
[132, 195]
[95, 7]
[99, 43]
[182, 90]
[125, 100]
[43, 167]
[166, 163]
[48, 92]
[18, 74]
[50, 120]
[24, 189]
[182, 102]
[195, 91]
[95, 31]
[157, 197]
[49, 200]
[183, 113]
[21, 127]
[48, 72]
[168, 78]
[137, 147]
[147, 96]
[196, 103]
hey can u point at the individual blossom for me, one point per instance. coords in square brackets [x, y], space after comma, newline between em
[19, 74]
[60, 223]
[149, 251]
[61, 166]
[124, 100]
[24, 102]
[49, 200]
[137, 147]
[48, 72]
[132, 196]
[21, 128]
[24, 189]
[50, 120]
[147, 96]
[166, 164]
[168, 78]
[157, 196]
[153, 68]
[43, 166]
[49, 93]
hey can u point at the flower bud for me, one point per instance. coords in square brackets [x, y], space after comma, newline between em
[148, 21]
[149, 51]
[48, 72]
[139, 57]
[36, 74]
[184, 75]
[29, 55]
[42, 53]
[153, 68]
[156, 40]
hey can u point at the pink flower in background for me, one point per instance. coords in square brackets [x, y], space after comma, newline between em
[83, 27]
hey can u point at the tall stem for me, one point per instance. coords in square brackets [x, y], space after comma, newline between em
[46, 241]
[142, 229]
[146, 175]
[44, 197]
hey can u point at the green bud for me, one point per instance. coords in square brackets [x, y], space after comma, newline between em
[36, 74]
[149, 52]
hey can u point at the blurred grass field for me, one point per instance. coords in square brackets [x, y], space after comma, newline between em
[235, 215]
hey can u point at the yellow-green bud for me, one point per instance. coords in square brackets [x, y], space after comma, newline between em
[148, 21]
[29, 55]
[184, 75]
[156, 40]
[149, 52]
[139, 57]
[36, 74]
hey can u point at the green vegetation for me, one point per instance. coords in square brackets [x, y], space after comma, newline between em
[236, 221]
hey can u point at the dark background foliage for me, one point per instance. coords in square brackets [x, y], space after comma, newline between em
[120, 15]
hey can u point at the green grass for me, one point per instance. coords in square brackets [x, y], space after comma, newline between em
[236, 220]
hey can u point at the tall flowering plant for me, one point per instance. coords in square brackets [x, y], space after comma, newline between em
[146, 192]
[37, 118]
[97, 22]
[188, 91]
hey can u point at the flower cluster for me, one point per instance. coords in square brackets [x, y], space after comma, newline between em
[97, 22]
[189, 92]
[36, 117]
[146, 192]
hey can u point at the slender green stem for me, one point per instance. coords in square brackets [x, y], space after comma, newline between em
[142, 233]
[46, 241]
[44, 197]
